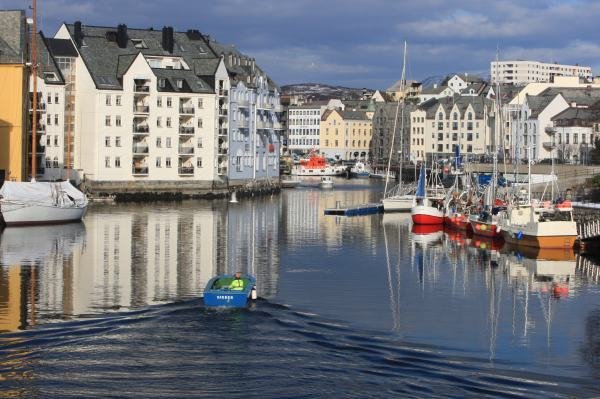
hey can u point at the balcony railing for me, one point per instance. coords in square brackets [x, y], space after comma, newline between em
[186, 149]
[186, 170]
[187, 110]
[41, 107]
[141, 88]
[223, 92]
[242, 123]
[141, 129]
[223, 132]
[222, 111]
[548, 145]
[222, 151]
[140, 149]
[222, 170]
[140, 170]
[243, 103]
[186, 130]
[550, 130]
[141, 109]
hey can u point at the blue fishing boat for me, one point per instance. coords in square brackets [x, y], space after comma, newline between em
[222, 291]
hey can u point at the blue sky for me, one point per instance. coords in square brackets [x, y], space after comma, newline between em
[359, 43]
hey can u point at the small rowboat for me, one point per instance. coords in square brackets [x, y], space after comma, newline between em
[218, 294]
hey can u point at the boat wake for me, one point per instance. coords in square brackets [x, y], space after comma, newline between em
[268, 350]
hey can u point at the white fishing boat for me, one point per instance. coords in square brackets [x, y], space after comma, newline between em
[30, 203]
[326, 182]
[360, 170]
[428, 203]
[290, 182]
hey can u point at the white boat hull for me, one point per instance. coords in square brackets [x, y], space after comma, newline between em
[400, 203]
[20, 214]
[327, 171]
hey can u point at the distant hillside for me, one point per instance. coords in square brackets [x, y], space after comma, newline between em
[321, 91]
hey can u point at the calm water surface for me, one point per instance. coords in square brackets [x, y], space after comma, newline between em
[350, 307]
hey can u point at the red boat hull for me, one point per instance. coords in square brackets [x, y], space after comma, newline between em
[457, 222]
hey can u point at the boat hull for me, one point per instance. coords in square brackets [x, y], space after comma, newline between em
[327, 171]
[25, 215]
[556, 241]
[485, 229]
[398, 204]
[457, 222]
[421, 214]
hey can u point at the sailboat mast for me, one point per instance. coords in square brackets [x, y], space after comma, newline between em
[403, 85]
[387, 176]
[34, 67]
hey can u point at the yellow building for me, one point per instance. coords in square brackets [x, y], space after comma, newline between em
[12, 121]
[346, 135]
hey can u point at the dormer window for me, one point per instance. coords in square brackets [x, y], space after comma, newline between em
[179, 83]
[50, 76]
[162, 83]
[139, 43]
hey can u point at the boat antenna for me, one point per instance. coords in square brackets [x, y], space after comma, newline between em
[387, 177]
[34, 68]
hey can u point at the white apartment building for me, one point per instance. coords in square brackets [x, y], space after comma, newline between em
[438, 126]
[519, 72]
[304, 123]
[142, 113]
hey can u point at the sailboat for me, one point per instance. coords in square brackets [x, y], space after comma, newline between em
[427, 206]
[26, 203]
[400, 198]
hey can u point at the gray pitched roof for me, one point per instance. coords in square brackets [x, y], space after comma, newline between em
[433, 90]
[574, 116]
[108, 62]
[7, 54]
[538, 103]
[353, 115]
[478, 104]
[46, 62]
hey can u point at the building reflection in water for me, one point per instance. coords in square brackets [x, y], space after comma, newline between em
[124, 257]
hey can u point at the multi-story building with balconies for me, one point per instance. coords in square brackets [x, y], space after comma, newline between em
[304, 123]
[521, 71]
[439, 125]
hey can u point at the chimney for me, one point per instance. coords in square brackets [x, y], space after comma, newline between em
[167, 39]
[122, 35]
[77, 33]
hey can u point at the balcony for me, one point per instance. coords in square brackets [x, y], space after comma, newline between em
[141, 89]
[141, 109]
[223, 131]
[548, 145]
[141, 129]
[242, 124]
[141, 148]
[222, 171]
[186, 170]
[187, 130]
[551, 130]
[139, 170]
[243, 103]
[183, 149]
[187, 110]
[223, 151]
[223, 93]
[41, 107]
[222, 111]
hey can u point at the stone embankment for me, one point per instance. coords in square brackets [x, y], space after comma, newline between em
[141, 191]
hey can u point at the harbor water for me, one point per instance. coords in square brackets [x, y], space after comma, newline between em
[365, 306]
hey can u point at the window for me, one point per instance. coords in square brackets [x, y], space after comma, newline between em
[48, 139]
[48, 162]
[55, 162]
[55, 98]
[161, 83]
[56, 141]
[158, 121]
[108, 99]
[107, 162]
[199, 142]
[56, 119]
[107, 120]
[199, 162]
[118, 141]
[158, 162]
[168, 162]
[199, 122]
[139, 43]
[118, 120]
[179, 83]
[107, 141]
[158, 142]
[48, 119]
[49, 98]
[200, 103]
[168, 121]
[168, 142]
[159, 101]
[117, 162]
[169, 102]
[118, 100]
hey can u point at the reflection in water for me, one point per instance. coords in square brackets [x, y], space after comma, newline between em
[369, 293]
[128, 257]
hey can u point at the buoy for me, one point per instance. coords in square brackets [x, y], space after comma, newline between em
[253, 293]
[233, 197]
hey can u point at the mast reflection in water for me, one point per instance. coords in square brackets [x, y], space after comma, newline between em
[351, 306]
